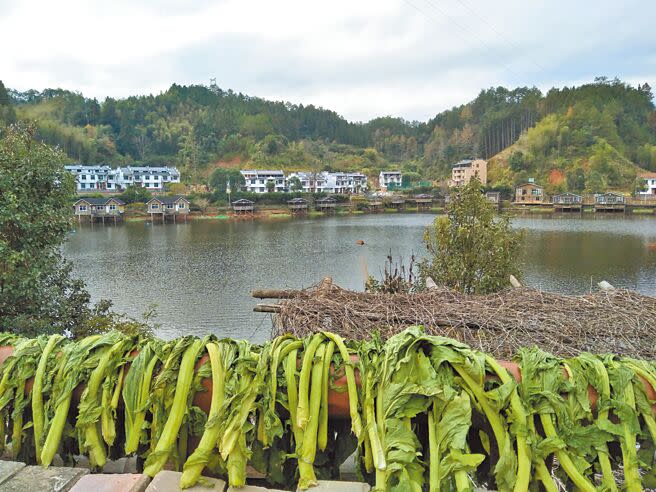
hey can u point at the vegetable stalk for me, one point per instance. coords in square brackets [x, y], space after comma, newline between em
[194, 465]
[157, 459]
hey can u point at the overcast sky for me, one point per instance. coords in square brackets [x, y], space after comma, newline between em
[361, 58]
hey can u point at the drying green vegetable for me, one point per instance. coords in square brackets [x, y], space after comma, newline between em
[136, 394]
[42, 385]
[425, 412]
[221, 356]
[112, 356]
[76, 363]
[164, 447]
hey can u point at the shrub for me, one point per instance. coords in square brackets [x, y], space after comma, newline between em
[471, 249]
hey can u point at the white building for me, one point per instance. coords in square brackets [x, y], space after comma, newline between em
[151, 178]
[311, 182]
[256, 180]
[343, 183]
[650, 185]
[105, 178]
[386, 178]
[94, 178]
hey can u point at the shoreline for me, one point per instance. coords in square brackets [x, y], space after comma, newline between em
[277, 214]
[272, 213]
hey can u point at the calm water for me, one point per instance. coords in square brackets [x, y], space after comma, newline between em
[200, 274]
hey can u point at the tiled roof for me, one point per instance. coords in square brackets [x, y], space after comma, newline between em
[100, 201]
[168, 200]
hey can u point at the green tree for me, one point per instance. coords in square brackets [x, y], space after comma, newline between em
[4, 97]
[639, 185]
[7, 113]
[270, 186]
[595, 182]
[295, 184]
[517, 162]
[471, 249]
[410, 177]
[136, 194]
[37, 292]
[222, 179]
[575, 179]
[189, 152]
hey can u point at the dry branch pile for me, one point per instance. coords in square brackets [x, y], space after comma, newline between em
[618, 321]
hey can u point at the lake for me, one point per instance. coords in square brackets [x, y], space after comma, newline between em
[199, 274]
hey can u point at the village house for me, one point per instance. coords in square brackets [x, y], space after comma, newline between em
[326, 204]
[256, 180]
[94, 178]
[337, 182]
[310, 182]
[298, 205]
[463, 171]
[390, 179]
[423, 200]
[567, 201]
[168, 207]
[99, 208]
[494, 197]
[243, 206]
[105, 178]
[151, 178]
[397, 202]
[609, 202]
[529, 193]
[345, 183]
[649, 191]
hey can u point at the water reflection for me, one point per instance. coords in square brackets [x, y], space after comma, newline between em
[199, 274]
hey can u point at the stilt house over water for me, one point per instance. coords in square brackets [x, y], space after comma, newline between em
[298, 205]
[609, 202]
[423, 200]
[567, 202]
[99, 209]
[243, 206]
[326, 204]
[168, 207]
[529, 194]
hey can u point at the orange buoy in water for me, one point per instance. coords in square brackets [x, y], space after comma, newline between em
[359, 242]
[651, 246]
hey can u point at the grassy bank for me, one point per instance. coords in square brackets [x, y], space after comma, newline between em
[276, 213]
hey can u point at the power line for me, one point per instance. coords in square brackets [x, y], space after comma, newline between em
[466, 39]
[501, 34]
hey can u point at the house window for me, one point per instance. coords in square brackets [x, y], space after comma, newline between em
[154, 206]
[82, 208]
[82, 186]
[170, 205]
[181, 205]
[112, 207]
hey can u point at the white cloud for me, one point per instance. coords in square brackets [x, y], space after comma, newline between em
[362, 58]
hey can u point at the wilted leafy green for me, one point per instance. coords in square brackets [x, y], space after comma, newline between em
[427, 412]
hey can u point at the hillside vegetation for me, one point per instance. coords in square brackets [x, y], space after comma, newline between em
[593, 136]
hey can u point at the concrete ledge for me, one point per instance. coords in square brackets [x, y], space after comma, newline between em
[53, 479]
[338, 486]
[169, 481]
[101, 482]
[253, 488]
[8, 469]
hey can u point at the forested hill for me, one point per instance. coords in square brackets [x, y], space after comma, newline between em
[199, 128]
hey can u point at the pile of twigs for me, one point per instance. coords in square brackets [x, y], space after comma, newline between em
[617, 321]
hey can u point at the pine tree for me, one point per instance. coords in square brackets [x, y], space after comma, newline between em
[4, 96]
